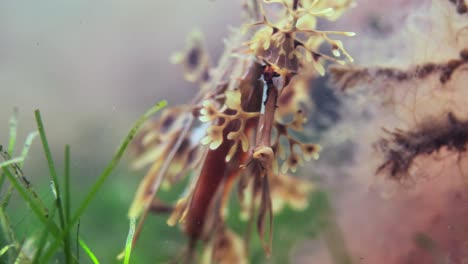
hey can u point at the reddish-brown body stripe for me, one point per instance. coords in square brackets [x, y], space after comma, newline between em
[210, 178]
[215, 168]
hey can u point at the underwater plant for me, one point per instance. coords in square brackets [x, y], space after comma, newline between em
[241, 128]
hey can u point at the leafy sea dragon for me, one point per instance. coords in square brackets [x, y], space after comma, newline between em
[239, 117]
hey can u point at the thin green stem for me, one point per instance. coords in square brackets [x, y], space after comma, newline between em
[128, 245]
[8, 232]
[53, 174]
[77, 240]
[2, 180]
[43, 238]
[66, 176]
[6, 199]
[13, 131]
[89, 252]
[27, 146]
[10, 162]
[11, 148]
